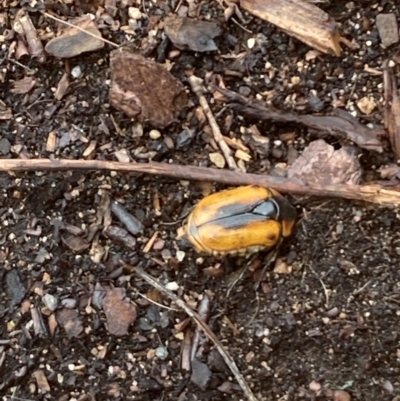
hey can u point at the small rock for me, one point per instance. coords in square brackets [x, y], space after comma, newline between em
[161, 353]
[245, 91]
[134, 13]
[316, 103]
[76, 71]
[251, 42]
[155, 134]
[217, 159]
[172, 286]
[184, 139]
[387, 28]
[5, 146]
[50, 301]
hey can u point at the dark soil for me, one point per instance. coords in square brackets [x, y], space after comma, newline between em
[332, 318]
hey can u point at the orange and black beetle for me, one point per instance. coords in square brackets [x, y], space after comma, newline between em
[240, 221]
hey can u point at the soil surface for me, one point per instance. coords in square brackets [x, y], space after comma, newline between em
[327, 313]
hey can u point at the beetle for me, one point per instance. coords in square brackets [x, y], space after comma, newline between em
[240, 221]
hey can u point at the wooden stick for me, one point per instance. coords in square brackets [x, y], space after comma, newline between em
[370, 193]
[196, 84]
[201, 324]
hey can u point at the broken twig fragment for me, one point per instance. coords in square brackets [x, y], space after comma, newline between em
[392, 109]
[299, 19]
[374, 193]
[197, 87]
[341, 125]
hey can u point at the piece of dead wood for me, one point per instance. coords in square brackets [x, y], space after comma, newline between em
[25, 27]
[144, 89]
[374, 193]
[320, 162]
[299, 19]
[341, 124]
[198, 320]
[392, 108]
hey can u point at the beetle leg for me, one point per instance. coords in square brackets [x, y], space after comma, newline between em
[240, 274]
[271, 257]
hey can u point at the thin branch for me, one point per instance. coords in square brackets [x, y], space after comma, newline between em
[197, 88]
[204, 326]
[373, 193]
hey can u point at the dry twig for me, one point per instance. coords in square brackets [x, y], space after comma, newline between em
[197, 88]
[373, 193]
[195, 316]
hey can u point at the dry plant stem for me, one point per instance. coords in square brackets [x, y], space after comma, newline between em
[369, 193]
[203, 312]
[197, 88]
[195, 316]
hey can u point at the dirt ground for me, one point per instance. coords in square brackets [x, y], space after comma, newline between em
[327, 313]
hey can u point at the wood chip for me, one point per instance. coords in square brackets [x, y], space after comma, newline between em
[300, 19]
[321, 163]
[51, 143]
[144, 89]
[120, 313]
[23, 86]
[62, 87]
[186, 33]
[70, 321]
[41, 381]
[73, 41]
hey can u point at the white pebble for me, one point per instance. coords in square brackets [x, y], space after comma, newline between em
[76, 72]
[172, 286]
[180, 255]
[154, 134]
[251, 42]
[134, 13]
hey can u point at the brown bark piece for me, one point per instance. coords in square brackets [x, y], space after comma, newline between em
[321, 163]
[392, 109]
[387, 28]
[34, 44]
[73, 41]
[341, 124]
[69, 319]
[186, 33]
[119, 311]
[144, 89]
[41, 381]
[299, 19]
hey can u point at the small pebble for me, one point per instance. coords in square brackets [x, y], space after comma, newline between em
[251, 42]
[50, 301]
[155, 134]
[161, 353]
[217, 159]
[180, 255]
[134, 13]
[172, 286]
[76, 72]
